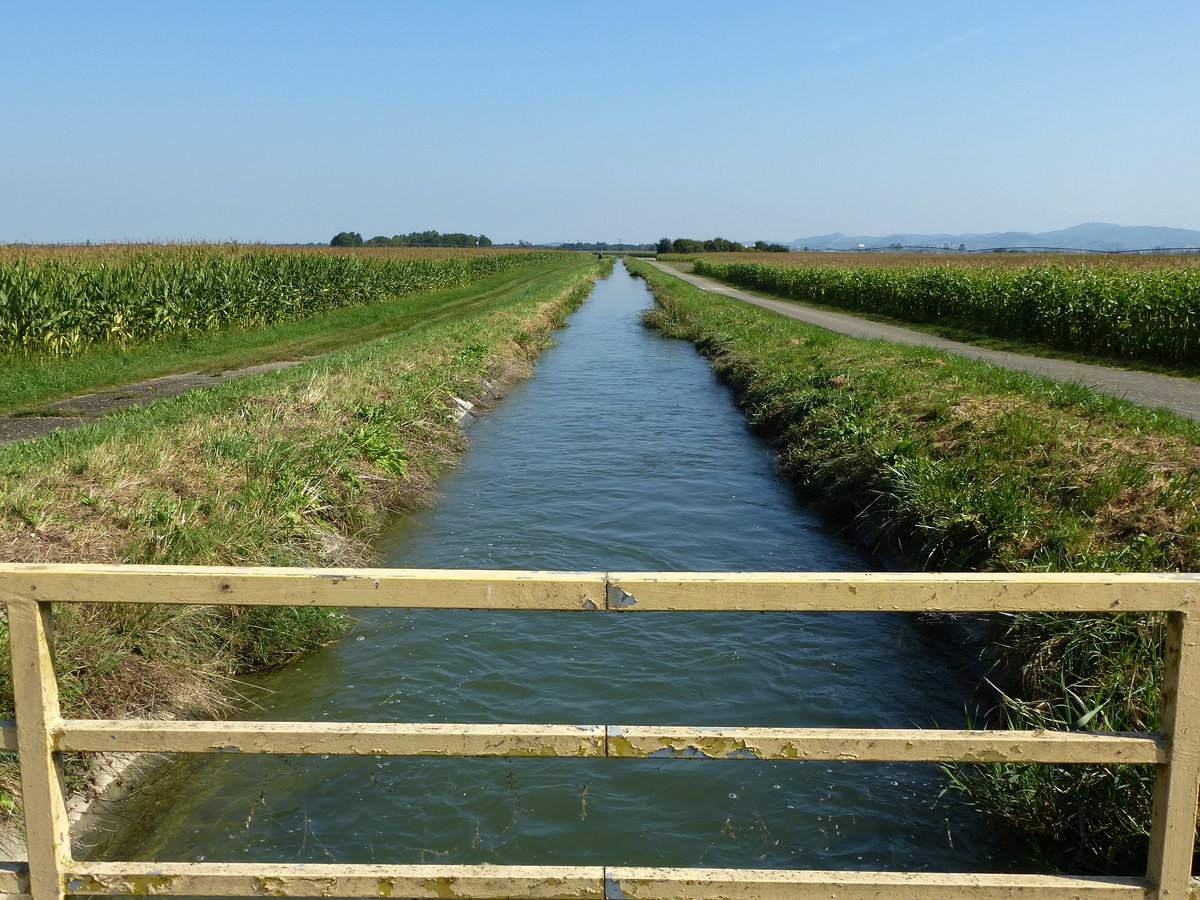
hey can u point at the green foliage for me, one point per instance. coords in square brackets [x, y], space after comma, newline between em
[1147, 314]
[59, 307]
[605, 247]
[949, 464]
[376, 434]
[347, 239]
[430, 239]
[715, 245]
[1095, 673]
[294, 468]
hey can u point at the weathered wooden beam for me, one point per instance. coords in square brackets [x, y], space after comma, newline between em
[903, 592]
[774, 884]
[8, 734]
[223, 586]
[14, 880]
[41, 735]
[881, 745]
[623, 741]
[327, 880]
[354, 738]
[488, 882]
[43, 792]
[1173, 819]
[485, 589]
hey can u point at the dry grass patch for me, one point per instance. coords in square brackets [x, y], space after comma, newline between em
[296, 468]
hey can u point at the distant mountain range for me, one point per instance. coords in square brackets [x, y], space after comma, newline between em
[1090, 236]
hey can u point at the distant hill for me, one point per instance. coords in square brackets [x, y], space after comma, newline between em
[1090, 236]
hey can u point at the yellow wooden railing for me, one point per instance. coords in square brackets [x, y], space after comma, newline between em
[41, 735]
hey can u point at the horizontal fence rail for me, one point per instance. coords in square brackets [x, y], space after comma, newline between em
[591, 591]
[41, 735]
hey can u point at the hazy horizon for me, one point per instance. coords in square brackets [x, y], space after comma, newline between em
[287, 123]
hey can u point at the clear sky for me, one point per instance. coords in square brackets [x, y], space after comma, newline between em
[289, 122]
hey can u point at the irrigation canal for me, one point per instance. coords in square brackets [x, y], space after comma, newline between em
[623, 453]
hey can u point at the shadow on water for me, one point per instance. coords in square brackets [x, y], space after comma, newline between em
[623, 453]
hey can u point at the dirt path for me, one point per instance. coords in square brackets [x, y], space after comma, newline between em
[1179, 395]
[88, 407]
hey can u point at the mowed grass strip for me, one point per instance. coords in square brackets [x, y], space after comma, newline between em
[949, 464]
[295, 468]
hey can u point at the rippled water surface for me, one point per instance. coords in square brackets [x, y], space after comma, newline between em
[623, 453]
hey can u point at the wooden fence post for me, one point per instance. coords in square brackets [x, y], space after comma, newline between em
[35, 690]
[1173, 825]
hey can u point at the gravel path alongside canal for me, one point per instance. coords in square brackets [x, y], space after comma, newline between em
[1179, 395]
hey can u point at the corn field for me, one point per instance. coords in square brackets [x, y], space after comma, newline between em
[1124, 313]
[61, 303]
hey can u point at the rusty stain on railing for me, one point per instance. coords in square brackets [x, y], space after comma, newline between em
[41, 735]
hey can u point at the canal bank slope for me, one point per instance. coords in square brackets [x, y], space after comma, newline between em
[953, 464]
[1179, 395]
[298, 467]
[623, 453]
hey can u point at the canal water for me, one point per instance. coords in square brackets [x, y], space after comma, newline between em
[622, 453]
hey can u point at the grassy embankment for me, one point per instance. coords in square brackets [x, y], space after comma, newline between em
[209, 308]
[295, 468]
[951, 464]
[1127, 311]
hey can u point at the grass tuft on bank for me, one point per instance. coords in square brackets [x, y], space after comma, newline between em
[949, 464]
[295, 468]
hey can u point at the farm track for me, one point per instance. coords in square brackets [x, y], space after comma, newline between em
[81, 410]
[86, 408]
[1179, 395]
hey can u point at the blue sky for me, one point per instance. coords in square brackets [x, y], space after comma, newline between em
[288, 122]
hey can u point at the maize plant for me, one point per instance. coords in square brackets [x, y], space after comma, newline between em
[1123, 313]
[60, 303]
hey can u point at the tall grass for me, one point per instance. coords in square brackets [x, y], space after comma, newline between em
[1125, 313]
[948, 464]
[59, 303]
[295, 468]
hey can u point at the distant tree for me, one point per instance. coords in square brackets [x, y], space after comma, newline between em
[603, 246]
[721, 245]
[663, 246]
[431, 239]
[347, 239]
[764, 247]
